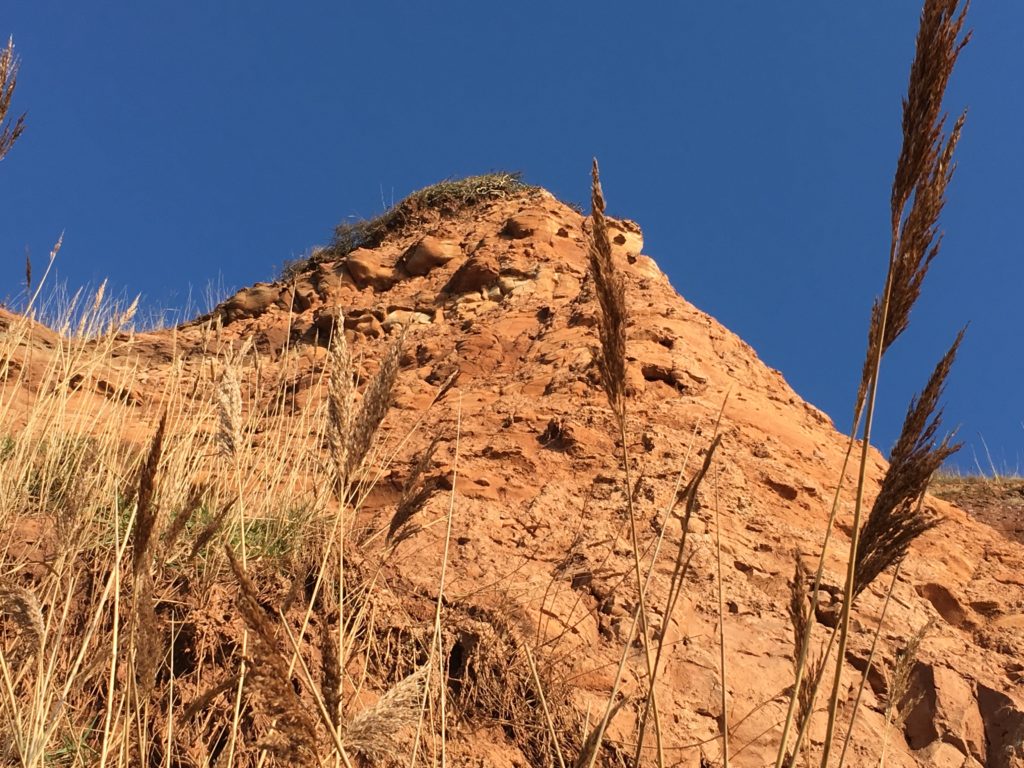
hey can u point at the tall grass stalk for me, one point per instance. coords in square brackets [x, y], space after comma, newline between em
[611, 360]
[923, 171]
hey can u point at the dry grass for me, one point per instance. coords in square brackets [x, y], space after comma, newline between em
[200, 599]
[128, 616]
[801, 617]
[209, 600]
[923, 172]
[896, 517]
[9, 131]
[611, 361]
[611, 295]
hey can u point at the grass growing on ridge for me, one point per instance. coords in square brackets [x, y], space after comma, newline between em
[447, 197]
[995, 501]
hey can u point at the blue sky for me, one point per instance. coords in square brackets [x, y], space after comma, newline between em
[179, 143]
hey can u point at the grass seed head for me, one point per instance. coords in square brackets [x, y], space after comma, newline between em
[229, 412]
[611, 296]
[9, 132]
[898, 704]
[923, 172]
[374, 732]
[799, 609]
[293, 734]
[22, 607]
[146, 510]
[800, 619]
[414, 495]
[939, 43]
[374, 407]
[340, 393]
[897, 517]
[180, 521]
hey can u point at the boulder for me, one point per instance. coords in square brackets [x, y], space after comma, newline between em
[946, 711]
[370, 268]
[530, 224]
[480, 271]
[428, 254]
[250, 302]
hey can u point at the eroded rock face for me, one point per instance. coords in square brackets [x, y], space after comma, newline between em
[478, 273]
[251, 302]
[428, 254]
[1003, 715]
[495, 302]
[371, 268]
[947, 711]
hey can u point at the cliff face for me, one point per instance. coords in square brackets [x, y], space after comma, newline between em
[496, 295]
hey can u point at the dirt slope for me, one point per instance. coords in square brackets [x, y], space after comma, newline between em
[498, 292]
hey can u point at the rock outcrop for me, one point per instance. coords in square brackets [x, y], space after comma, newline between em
[499, 294]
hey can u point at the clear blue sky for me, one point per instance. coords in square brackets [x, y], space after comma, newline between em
[177, 141]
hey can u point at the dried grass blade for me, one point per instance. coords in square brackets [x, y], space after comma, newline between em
[145, 518]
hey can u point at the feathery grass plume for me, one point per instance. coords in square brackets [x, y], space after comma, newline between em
[938, 45]
[293, 732]
[800, 620]
[611, 362]
[611, 295]
[331, 672]
[923, 171]
[145, 516]
[88, 320]
[414, 495]
[229, 412]
[373, 408]
[805, 699]
[9, 65]
[123, 319]
[896, 519]
[374, 732]
[340, 393]
[147, 634]
[146, 629]
[23, 608]
[897, 703]
[799, 610]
